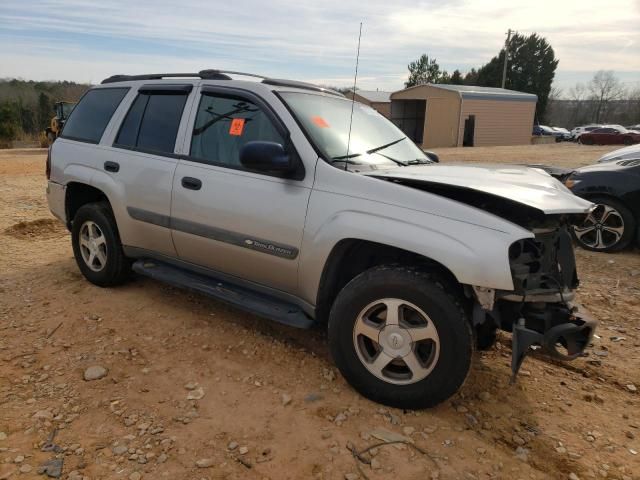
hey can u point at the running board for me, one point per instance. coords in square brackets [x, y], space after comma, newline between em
[248, 300]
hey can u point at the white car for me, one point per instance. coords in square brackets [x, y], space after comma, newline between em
[577, 131]
[561, 134]
[631, 152]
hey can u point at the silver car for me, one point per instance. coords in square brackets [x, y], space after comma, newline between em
[292, 202]
[632, 152]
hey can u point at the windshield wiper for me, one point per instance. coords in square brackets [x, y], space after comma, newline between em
[373, 150]
[397, 162]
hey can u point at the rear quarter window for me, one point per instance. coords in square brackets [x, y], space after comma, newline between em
[90, 117]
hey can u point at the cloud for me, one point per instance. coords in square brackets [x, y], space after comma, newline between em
[316, 41]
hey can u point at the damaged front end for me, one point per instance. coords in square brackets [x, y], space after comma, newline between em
[539, 311]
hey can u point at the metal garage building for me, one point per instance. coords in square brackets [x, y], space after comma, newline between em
[463, 115]
[380, 101]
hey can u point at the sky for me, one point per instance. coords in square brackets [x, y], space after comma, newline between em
[87, 41]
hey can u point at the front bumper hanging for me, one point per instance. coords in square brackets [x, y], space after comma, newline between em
[570, 328]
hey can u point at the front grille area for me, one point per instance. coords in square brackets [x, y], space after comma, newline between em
[545, 263]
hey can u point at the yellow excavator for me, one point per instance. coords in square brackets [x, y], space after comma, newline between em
[63, 110]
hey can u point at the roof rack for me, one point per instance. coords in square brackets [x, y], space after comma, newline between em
[213, 74]
[210, 74]
[278, 82]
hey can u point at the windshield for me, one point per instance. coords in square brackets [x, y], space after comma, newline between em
[375, 141]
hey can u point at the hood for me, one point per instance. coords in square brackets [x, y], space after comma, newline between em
[528, 186]
[629, 166]
[558, 173]
[632, 151]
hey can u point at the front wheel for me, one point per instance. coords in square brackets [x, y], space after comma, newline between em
[399, 338]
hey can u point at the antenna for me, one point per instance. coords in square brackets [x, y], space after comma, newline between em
[353, 98]
[506, 58]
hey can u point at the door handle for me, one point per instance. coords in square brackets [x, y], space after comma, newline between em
[111, 166]
[191, 183]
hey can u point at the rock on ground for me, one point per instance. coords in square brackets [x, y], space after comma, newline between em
[95, 372]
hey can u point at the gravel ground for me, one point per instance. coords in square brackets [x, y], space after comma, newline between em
[146, 381]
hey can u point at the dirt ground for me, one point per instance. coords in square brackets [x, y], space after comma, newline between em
[195, 389]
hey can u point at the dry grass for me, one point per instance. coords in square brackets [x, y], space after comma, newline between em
[559, 154]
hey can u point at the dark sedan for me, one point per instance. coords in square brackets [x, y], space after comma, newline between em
[615, 189]
[613, 135]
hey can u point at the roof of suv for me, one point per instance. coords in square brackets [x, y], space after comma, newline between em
[212, 74]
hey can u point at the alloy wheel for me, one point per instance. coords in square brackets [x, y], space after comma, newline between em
[602, 229]
[93, 246]
[396, 341]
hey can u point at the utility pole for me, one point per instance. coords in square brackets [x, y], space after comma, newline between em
[506, 58]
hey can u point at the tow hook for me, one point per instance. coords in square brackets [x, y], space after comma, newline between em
[573, 336]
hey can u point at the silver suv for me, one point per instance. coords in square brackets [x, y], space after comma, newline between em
[289, 201]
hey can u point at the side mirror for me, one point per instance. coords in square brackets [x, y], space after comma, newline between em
[266, 157]
[432, 156]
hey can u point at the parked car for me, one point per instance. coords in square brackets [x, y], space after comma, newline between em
[624, 153]
[539, 130]
[610, 135]
[250, 192]
[615, 189]
[578, 131]
[561, 134]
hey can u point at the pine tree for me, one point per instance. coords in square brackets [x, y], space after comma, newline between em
[456, 78]
[531, 68]
[425, 70]
[471, 78]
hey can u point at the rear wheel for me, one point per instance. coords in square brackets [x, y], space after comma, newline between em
[399, 338]
[610, 227]
[96, 245]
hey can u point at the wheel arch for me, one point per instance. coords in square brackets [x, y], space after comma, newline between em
[78, 194]
[599, 194]
[363, 255]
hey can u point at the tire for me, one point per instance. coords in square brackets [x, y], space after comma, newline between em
[109, 266]
[628, 141]
[617, 231]
[586, 141]
[444, 359]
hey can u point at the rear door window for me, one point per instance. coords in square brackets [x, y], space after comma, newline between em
[152, 123]
[90, 117]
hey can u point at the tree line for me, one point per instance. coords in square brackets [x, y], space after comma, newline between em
[531, 68]
[604, 99]
[26, 107]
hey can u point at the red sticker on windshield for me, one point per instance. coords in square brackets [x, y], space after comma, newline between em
[237, 126]
[320, 122]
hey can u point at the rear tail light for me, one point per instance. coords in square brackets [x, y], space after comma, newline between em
[48, 167]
